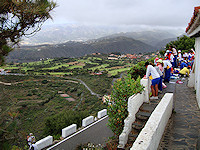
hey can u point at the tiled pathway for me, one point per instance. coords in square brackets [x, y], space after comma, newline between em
[183, 129]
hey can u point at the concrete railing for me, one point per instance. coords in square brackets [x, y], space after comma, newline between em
[150, 136]
[87, 121]
[69, 130]
[102, 113]
[66, 132]
[134, 103]
[47, 141]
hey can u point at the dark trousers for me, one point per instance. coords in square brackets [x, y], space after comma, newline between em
[175, 61]
[167, 75]
[160, 83]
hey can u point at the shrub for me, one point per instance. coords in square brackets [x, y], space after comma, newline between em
[44, 81]
[117, 108]
[137, 70]
[54, 124]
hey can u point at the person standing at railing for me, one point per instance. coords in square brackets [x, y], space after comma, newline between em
[160, 66]
[152, 74]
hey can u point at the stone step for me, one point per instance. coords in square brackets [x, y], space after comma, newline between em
[147, 108]
[144, 114]
[138, 125]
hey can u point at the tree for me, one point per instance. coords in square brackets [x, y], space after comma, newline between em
[20, 18]
[182, 43]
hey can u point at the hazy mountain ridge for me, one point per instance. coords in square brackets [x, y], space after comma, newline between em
[63, 33]
[149, 37]
[76, 49]
[127, 42]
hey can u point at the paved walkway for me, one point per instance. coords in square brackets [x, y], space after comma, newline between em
[183, 127]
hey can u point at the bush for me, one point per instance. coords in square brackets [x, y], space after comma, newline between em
[137, 70]
[54, 124]
[44, 81]
[117, 108]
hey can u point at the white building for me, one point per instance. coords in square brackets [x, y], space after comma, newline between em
[193, 30]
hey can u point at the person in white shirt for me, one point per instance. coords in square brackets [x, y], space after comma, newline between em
[185, 55]
[179, 57]
[34, 147]
[174, 52]
[151, 71]
[167, 67]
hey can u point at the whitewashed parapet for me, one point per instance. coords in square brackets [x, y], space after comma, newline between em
[150, 136]
[134, 103]
[102, 113]
[69, 130]
[47, 141]
[191, 80]
[146, 92]
[87, 121]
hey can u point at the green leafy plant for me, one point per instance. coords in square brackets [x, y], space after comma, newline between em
[117, 106]
[138, 70]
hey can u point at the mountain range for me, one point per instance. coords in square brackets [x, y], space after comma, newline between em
[57, 34]
[124, 42]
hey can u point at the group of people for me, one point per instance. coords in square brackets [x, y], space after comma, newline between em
[163, 69]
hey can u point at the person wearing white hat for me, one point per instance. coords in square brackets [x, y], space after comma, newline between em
[31, 140]
[179, 57]
[160, 66]
[167, 51]
[174, 52]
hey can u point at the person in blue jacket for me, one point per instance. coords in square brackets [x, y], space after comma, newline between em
[183, 64]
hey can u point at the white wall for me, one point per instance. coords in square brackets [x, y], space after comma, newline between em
[87, 121]
[150, 136]
[197, 69]
[47, 141]
[69, 130]
[134, 103]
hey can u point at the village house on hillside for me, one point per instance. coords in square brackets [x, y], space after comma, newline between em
[193, 30]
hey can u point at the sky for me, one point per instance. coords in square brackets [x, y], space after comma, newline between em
[148, 13]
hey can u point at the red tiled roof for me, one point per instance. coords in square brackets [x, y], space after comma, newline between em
[196, 11]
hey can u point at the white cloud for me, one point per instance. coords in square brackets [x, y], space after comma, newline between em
[166, 13]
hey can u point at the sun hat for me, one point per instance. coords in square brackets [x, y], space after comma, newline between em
[179, 50]
[167, 51]
[159, 61]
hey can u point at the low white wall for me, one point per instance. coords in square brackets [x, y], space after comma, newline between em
[47, 141]
[197, 69]
[87, 121]
[146, 83]
[69, 130]
[134, 103]
[149, 137]
[191, 80]
[102, 113]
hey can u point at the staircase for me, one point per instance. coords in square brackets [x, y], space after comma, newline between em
[141, 118]
[143, 115]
